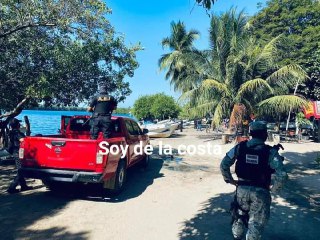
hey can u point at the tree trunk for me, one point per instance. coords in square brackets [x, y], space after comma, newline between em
[9, 115]
[16, 111]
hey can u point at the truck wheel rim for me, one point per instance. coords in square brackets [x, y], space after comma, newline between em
[121, 177]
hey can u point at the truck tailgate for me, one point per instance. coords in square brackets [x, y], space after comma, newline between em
[61, 153]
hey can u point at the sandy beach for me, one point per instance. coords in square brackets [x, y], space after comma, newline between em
[177, 197]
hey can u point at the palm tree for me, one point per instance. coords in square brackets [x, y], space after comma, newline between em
[176, 63]
[237, 70]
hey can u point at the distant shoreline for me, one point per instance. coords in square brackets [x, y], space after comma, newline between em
[80, 109]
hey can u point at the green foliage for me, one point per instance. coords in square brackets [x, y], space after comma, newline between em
[299, 22]
[59, 51]
[142, 107]
[206, 3]
[164, 107]
[79, 18]
[301, 119]
[311, 88]
[176, 63]
[236, 70]
[123, 110]
[281, 104]
[158, 106]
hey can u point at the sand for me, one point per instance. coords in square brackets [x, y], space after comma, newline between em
[177, 197]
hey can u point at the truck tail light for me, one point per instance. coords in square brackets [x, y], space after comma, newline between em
[21, 153]
[99, 158]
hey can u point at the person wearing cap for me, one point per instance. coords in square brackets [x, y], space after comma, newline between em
[255, 163]
[102, 106]
[15, 137]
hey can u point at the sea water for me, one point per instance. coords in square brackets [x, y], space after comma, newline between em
[48, 122]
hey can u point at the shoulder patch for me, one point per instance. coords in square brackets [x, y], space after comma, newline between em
[252, 159]
[103, 99]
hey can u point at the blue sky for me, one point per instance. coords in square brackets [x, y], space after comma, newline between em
[148, 22]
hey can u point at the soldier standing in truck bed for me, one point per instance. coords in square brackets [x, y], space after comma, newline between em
[102, 106]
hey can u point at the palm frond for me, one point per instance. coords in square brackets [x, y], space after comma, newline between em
[218, 86]
[218, 114]
[203, 109]
[281, 104]
[270, 50]
[252, 86]
[288, 75]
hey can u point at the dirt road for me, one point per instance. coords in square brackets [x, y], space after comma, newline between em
[179, 197]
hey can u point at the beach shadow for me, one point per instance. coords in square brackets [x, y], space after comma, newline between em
[304, 176]
[178, 135]
[295, 211]
[139, 179]
[287, 221]
[18, 211]
[211, 222]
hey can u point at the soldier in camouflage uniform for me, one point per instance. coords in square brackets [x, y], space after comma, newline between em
[255, 163]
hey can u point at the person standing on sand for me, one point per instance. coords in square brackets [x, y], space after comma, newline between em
[102, 106]
[15, 137]
[255, 163]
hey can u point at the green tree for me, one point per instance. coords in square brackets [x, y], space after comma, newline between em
[80, 18]
[207, 4]
[299, 22]
[176, 63]
[154, 106]
[236, 71]
[311, 88]
[58, 52]
[142, 107]
[164, 107]
[123, 110]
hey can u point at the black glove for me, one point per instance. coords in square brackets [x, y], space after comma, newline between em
[278, 146]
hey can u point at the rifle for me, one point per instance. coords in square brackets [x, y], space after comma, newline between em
[234, 211]
[87, 120]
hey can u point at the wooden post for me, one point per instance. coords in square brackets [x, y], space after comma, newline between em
[28, 129]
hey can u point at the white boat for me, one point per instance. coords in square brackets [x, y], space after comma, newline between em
[163, 134]
[174, 126]
[157, 127]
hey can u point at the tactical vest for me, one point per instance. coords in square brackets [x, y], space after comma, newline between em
[253, 165]
[104, 104]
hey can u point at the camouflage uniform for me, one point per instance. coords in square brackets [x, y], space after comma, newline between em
[254, 201]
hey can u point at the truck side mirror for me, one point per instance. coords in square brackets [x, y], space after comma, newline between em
[145, 131]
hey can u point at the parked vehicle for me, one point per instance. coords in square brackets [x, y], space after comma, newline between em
[71, 156]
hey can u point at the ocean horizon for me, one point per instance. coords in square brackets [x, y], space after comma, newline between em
[48, 121]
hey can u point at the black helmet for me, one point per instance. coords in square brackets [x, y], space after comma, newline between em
[103, 88]
[14, 123]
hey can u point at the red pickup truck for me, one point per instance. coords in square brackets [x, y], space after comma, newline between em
[71, 156]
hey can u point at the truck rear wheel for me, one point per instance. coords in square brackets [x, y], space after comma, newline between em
[145, 161]
[120, 178]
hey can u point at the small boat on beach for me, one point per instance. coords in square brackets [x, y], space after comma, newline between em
[157, 127]
[161, 130]
[163, 134]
